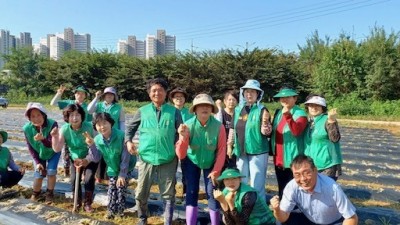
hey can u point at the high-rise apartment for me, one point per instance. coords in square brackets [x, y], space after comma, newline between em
[82, 43]
[56, 47]
[160, 44]
[69, 39]
[151, 46]
[122, 47]
[25, 39]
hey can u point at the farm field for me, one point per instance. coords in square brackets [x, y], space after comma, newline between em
[371, 175]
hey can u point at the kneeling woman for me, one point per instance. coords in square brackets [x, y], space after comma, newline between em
[10, 172]
[206, 138]
[38, 139]
[84, 158]
[241, 204]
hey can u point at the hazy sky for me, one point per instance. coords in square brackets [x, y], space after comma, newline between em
[202, 24]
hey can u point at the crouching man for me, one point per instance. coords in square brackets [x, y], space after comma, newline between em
[319, 199]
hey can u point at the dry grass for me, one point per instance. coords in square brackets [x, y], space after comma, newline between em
[26, 165]
[368, 185]
[392, 128]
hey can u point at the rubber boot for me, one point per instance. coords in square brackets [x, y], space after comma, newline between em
[142, 213]
[215, 217]
[168, 212]
[88, 201]
[49, 196]
[191, 215]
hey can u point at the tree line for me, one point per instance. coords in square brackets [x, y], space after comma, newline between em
[369, 69]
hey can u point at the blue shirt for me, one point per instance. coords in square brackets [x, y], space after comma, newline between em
[325, 205]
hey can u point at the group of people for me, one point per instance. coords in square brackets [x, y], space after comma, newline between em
[230, 146]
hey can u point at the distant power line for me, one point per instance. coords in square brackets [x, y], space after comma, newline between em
[320, 9]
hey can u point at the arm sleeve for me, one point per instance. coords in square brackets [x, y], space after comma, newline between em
[229, 220]
[248, 202]
[13, 166]
[221, 151]
[122, 120]
[93, 154]
[133, 126]
[56, 98]
[333, 131]
[231, 137]
[345, 207]
[181, 147]
[32, 151]
[296, 126]
[124, 166]
[92, 106]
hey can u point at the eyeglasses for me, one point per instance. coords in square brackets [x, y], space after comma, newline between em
[307, 174]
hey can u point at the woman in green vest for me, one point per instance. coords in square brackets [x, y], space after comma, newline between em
[322, 137]
[10, 172]
[202, 145]
[248, 136]
[240, 203]
[178, 96]
[80, 95]
[288, 127]
[38, 139]
[110, 143]
[74, 133]
[109, 105]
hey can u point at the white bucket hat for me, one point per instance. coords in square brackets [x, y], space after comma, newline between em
[203, 99]
[112, 91]
[34, 105]
[316, 100]
[252, 84]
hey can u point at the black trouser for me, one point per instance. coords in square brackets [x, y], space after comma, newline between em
[89, 171]
[101, 172]
[283, 176]
[10, 178]
[296, 218]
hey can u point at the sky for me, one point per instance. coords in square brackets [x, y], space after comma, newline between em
[202, 25]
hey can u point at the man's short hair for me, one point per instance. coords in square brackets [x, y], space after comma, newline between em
[301, 159]
[160, 81]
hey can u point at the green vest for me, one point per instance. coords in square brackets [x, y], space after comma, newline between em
[255, 142]
[4, 158]
[292, 145]
[114, 110]
[324, 152]
[78, 149]
[261, 214]
[45, 153]
[111, 151]
[64, 103]
[186, 115]
[157, 137]
[203, 142]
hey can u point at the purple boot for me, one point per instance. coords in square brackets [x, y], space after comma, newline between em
[191, 215]
[215, 217]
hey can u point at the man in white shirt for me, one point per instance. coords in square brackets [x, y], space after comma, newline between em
[318, 197]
